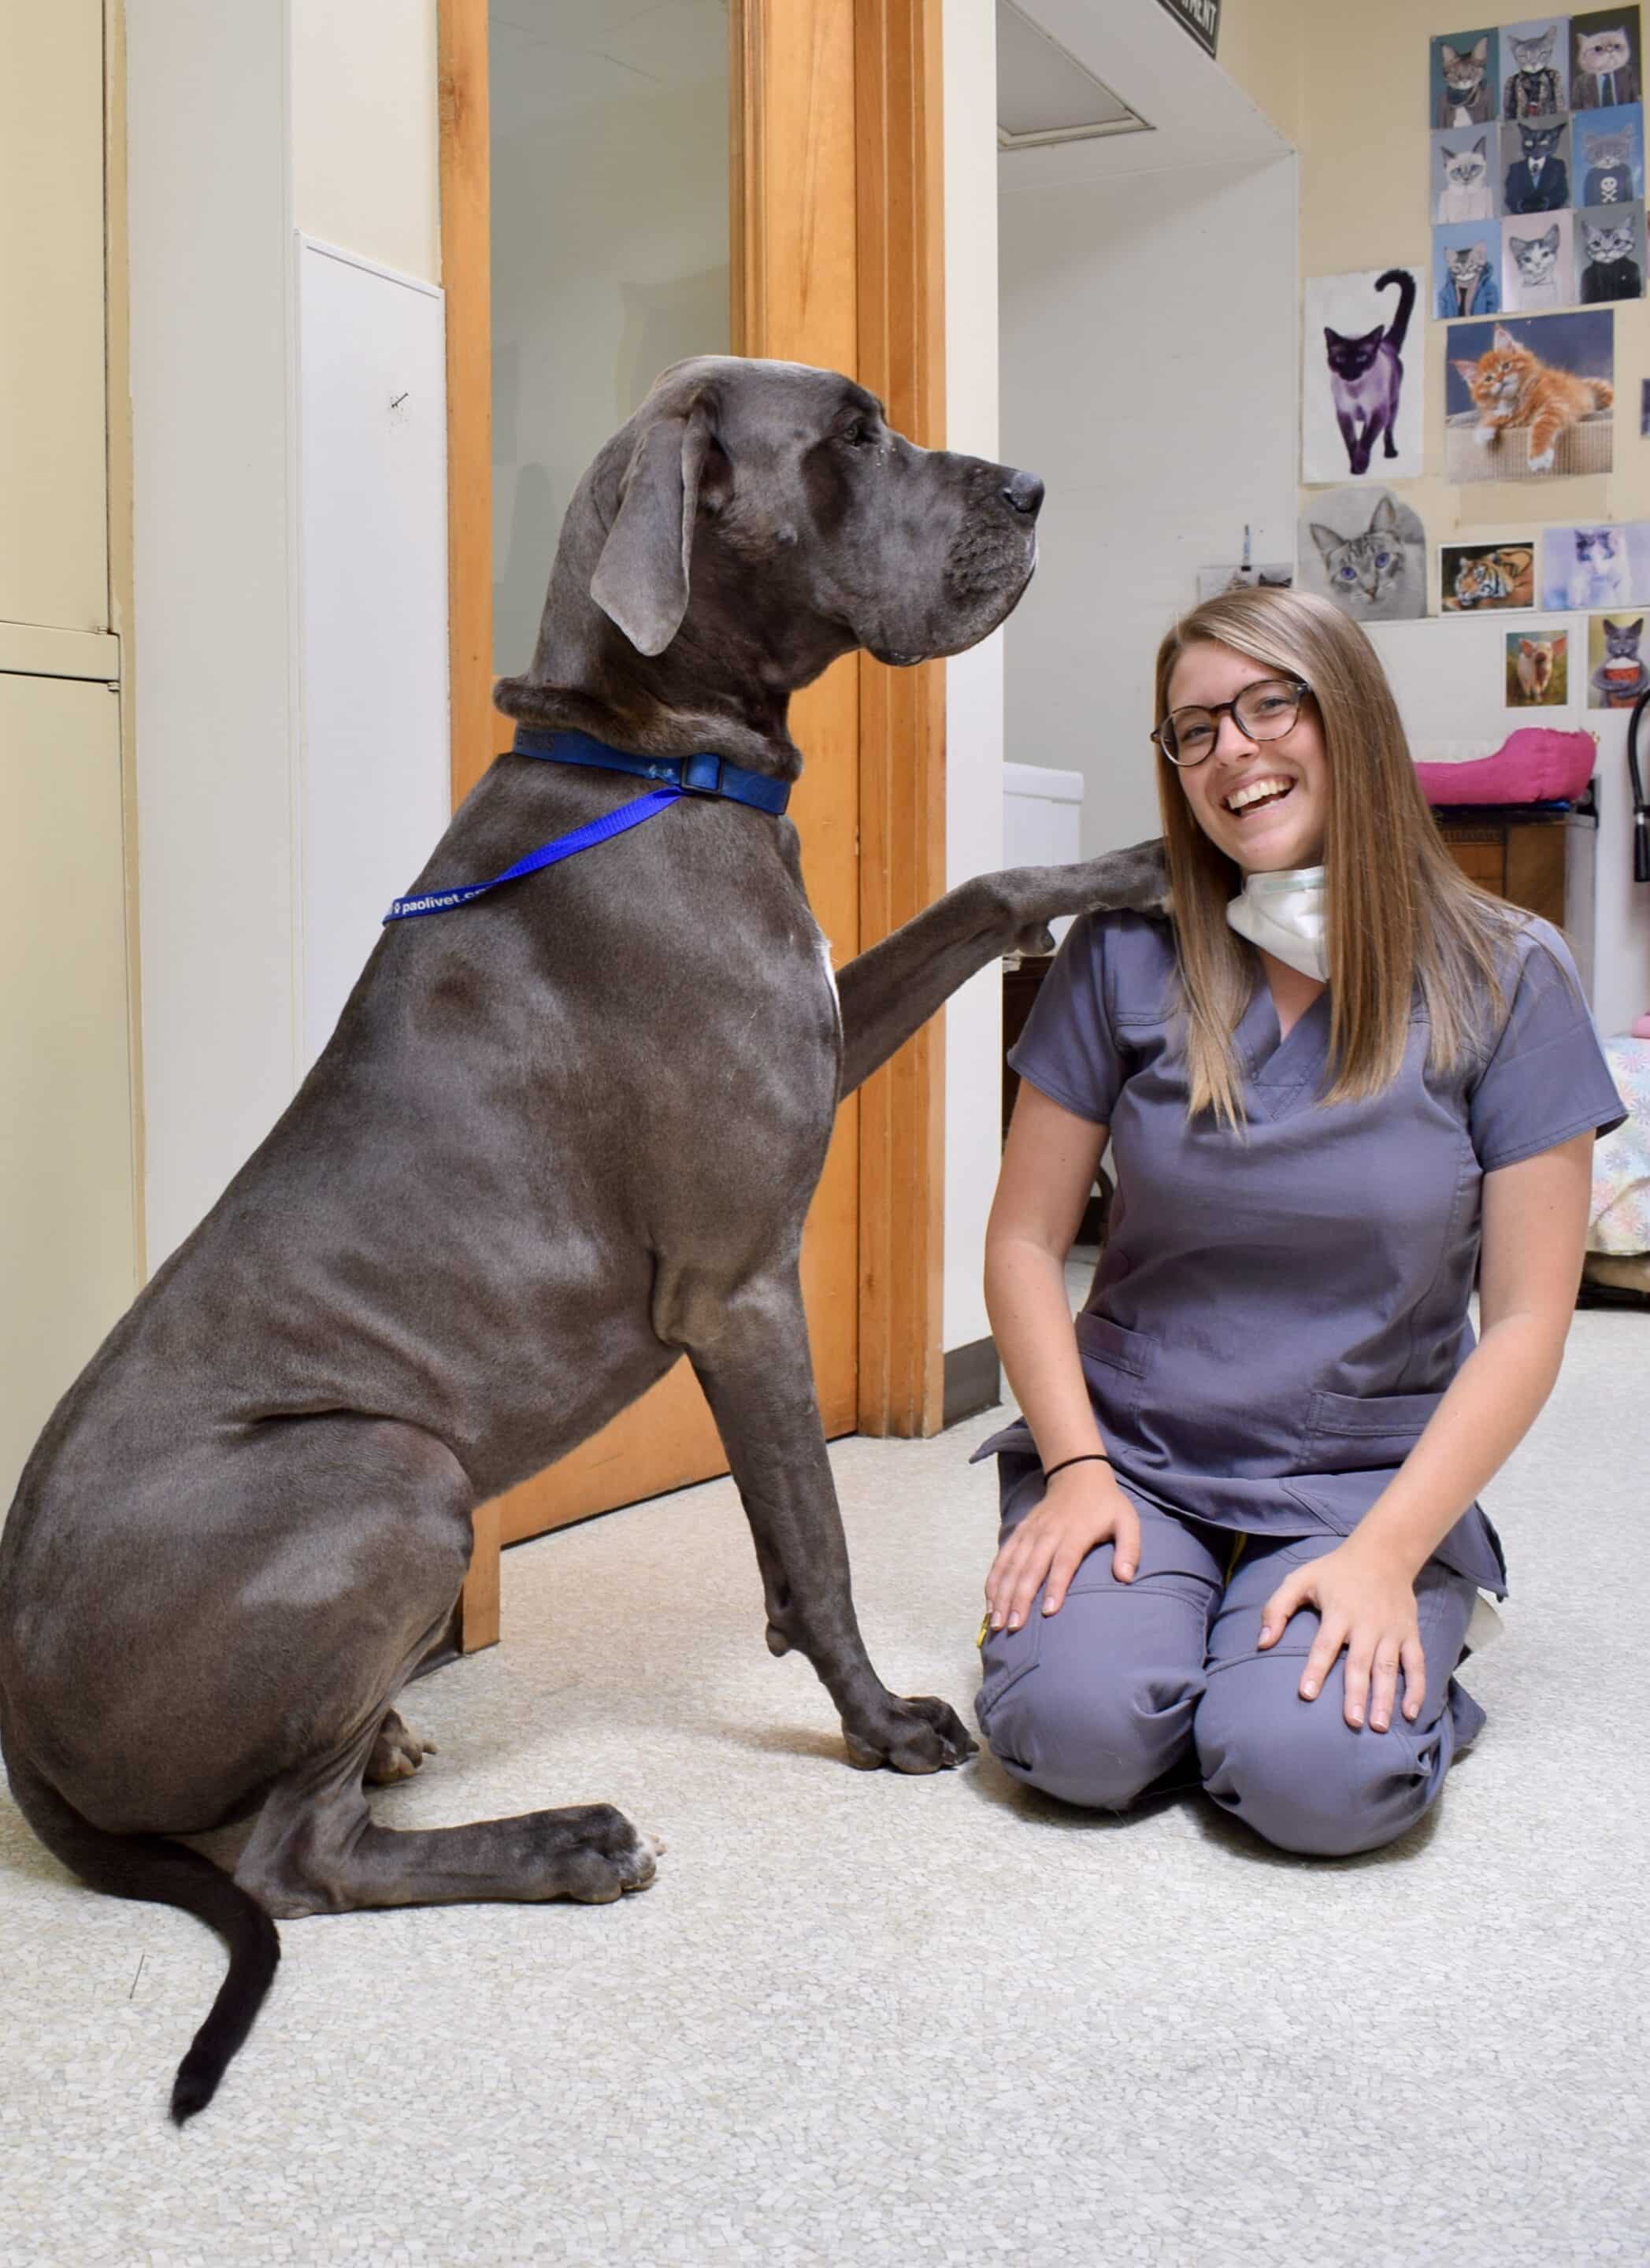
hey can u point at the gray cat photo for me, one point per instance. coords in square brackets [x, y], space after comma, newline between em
[1364, 551]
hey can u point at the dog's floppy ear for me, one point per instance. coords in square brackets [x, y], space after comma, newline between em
[641, 578]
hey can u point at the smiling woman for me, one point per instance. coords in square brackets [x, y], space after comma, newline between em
[1337, 1084]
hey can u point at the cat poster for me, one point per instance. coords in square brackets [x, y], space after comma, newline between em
[1473, 577]
[1467, 269]
[1528, 397]
[1537, 267]
[1608, 147]
[1537, 668]
[1536, 155]
[1609, 253]
[1364, 551]
[1616, 675]
[1604, 59]
[1583, 568]
[1360, 395]
[1465, 175]
[1466, 78]
[1536, 68]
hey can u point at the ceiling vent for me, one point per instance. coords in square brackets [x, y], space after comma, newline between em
[1045, 95]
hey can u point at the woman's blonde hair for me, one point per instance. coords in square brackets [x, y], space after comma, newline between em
[1399, 908]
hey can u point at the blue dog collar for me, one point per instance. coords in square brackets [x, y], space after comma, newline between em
[697, 774]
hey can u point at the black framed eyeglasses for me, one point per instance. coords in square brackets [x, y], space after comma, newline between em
[1264, 710]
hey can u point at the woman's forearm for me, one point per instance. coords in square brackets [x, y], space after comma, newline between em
[1031, 1321]
[1492, 1403]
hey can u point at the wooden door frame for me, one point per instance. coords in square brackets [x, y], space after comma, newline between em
[899, 197]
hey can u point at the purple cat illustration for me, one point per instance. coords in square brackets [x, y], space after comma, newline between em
[1366, 374]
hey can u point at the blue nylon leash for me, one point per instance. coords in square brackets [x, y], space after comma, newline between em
[548, 854]
[697, 775]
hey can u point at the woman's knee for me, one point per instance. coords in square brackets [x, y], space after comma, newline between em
[1303, 1778]
[1085, 1730]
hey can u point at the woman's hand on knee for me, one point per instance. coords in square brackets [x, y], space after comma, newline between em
[1366, 1603]
[1083, 1507]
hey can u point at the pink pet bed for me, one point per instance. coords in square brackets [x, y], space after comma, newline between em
[1533, 765]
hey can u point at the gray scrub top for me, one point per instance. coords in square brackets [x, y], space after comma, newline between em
[1277, 1310]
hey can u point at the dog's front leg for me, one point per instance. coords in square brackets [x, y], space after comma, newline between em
[758, 1379]
[887, 992]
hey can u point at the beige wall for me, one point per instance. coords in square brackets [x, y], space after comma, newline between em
[365, 159]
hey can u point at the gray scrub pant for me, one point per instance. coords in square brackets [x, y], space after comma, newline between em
[1129, 1683]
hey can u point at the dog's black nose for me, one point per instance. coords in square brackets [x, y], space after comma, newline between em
[1025, 493]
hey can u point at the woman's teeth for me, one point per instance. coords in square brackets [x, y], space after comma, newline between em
[1266, 791]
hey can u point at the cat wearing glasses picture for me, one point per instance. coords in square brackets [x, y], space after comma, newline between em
[1605, 69]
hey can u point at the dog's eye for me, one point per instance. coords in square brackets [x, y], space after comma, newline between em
[857, 434]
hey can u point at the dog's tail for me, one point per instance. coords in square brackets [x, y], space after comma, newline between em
[151, 1866]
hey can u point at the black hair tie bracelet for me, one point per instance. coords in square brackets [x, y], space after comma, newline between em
[1090, 1457]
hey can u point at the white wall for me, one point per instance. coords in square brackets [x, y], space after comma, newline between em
[1149, 372]
[243, 121]
[609, 263]
[974, 681]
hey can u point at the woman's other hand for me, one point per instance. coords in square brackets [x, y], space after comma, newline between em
[1082, 1507]
[1366, 1602]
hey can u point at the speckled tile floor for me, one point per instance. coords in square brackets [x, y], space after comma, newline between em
[872, 2022]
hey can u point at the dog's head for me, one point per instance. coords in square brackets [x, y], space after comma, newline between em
[755, 520]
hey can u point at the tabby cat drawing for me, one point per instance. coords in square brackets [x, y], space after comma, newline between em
[1610, 268]
[1608, 154]
[1538, 267]
[1534, 88]
[1467, 285]
[1465, 98]
[1367, 377]
[1513, 387]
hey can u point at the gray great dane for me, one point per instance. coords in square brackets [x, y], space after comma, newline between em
[559, 1139]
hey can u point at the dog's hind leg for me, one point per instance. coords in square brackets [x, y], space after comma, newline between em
[359, 1620]
[751, 1357]
[317, 1850]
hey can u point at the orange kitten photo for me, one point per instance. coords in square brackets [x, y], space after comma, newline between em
[1512, 386]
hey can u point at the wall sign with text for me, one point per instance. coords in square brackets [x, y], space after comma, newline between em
[1200, 18]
